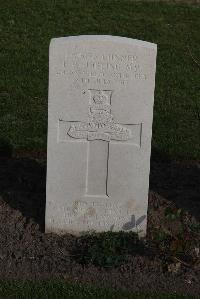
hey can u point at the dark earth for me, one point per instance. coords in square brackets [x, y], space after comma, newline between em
[167, 261]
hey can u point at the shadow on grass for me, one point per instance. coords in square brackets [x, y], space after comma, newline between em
[23, 183]
[177, 181]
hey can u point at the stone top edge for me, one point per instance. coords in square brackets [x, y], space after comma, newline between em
[111, 38]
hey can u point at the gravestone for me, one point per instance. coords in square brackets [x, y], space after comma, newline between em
[100, 111]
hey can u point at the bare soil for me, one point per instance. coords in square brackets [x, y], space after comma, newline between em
[169, 263]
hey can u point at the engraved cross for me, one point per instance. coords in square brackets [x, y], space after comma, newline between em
[99, 131]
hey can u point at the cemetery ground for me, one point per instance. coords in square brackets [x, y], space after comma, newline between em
[168, 260]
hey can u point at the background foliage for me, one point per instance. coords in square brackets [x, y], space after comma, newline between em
[27, 27]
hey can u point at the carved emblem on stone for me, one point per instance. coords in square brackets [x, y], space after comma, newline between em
[101, 124]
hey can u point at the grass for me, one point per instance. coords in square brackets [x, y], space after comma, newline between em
[58, 290]
[27, 27]
[106, 249]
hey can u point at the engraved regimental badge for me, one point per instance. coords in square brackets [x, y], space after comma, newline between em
[101, 124]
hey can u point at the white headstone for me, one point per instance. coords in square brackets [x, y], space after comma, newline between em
[101, 94]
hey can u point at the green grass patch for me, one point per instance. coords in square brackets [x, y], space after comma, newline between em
[27, 27]
[59, 289]
[106, 249]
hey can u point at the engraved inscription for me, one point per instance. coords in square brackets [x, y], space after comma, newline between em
[87, 213]
[104, 69]
[101, 124]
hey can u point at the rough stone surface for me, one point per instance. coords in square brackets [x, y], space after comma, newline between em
[101, 93]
